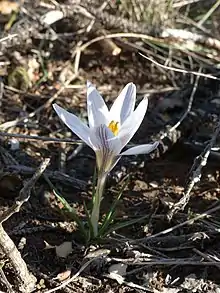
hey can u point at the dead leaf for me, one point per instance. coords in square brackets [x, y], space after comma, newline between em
[117, 277]
[48, 246]
[18, 78]
[117, 271]
[22, 243]
[33, 70]
[119, 268]
[63, 276]
[66, 74]
[41, 284]
[52, 16]
[6, 7]
[64, 249]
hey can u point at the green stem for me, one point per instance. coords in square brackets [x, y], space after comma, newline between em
[97, 202]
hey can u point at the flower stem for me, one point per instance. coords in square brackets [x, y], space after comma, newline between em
[97, 202]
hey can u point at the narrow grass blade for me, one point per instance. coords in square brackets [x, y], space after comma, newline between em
[125, 224]
[90, 234]
[72, 213]
[71, 210]
[110, 215]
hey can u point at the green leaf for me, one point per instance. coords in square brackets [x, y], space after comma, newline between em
[110, 215]
[125, 224]
[94, 179]
[72, 213]
[90, 235]
[71, 210]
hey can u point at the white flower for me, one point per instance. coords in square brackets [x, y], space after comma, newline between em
[109, 131]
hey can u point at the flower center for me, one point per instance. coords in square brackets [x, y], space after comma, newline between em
[113, 126]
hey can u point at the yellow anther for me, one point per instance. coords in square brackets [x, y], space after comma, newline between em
[113, 126]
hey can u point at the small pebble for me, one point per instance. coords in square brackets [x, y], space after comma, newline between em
[14, 144]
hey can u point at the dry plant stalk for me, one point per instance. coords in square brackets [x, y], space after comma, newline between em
[109, 46]
[24, 280]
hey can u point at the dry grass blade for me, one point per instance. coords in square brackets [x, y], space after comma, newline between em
[187, 110]
[181, 70]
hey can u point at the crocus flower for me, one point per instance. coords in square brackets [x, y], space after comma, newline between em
[109, 131]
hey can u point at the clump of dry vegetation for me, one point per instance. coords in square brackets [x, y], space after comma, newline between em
[170, 50]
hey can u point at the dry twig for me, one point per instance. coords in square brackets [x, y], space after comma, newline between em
[25, 192]
[83, 267]
[169, 230]
[53, 175]
[24, 280]
[5, 281]
[195, 173]
[42, 138]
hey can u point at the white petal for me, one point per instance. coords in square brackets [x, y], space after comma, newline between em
[97, 110]
[106, 140]
[140, 149]
[131, 125]
[107, 148]
[124, 104]
[74, 123]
